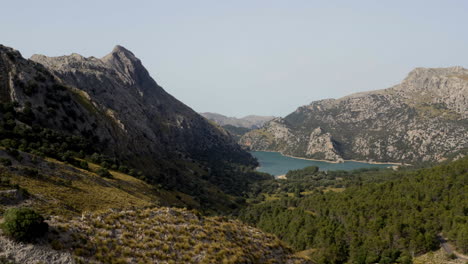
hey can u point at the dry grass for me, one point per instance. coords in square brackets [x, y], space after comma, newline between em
[167, 235]
[75, 191]
[305, 253]
[436, 257]
[331, 189]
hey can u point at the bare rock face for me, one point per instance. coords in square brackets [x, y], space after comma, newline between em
[115, 101]
[321, 143]
[425, 118]
[270, 137]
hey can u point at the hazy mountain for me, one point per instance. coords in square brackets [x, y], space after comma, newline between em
[425, 118]
[250, 121]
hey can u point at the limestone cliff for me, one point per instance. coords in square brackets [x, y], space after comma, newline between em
[425, 118]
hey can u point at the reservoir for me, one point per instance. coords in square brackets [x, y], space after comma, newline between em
[277, 164]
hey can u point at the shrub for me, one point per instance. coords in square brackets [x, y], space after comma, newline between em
[104, 173]
[5, 161]
[5, 260]
[84, 165]
[24, 224]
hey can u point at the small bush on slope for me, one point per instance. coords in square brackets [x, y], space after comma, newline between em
[23, 224]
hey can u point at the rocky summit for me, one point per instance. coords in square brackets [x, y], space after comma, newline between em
[424, 118]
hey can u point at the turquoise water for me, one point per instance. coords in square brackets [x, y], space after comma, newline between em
[277, 164]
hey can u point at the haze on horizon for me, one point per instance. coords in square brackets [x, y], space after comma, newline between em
[251, 57]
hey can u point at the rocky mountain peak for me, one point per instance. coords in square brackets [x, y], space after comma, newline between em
[421, 74]
[120, 54]
[127, 64]
[121, 49]
[5, 49]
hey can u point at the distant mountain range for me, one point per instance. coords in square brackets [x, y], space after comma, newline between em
[425, 118]
[250, 121]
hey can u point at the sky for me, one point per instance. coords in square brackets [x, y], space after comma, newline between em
[242, 57]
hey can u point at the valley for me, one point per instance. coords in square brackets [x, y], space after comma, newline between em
[120, 171]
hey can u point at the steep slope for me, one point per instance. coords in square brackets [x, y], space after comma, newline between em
[375, 216]
[250, 121]
[58, 188]
[113, 108]
[151, 235]
[425, 118]
[118, 219]
[150, 121]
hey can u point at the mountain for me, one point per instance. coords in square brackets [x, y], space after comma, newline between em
[250, 121]
[236, 132]
[112, 112]
[424, 118]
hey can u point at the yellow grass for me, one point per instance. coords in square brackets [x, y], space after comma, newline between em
[78, 191]
[436, 257]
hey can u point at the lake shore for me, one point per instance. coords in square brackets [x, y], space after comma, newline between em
[335, 162]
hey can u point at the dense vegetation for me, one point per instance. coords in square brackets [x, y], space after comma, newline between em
[373, 220]
[18, 132]
[23, 224]
[50, 143]
[310, 179]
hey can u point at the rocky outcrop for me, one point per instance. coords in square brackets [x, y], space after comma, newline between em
[322, 144]
[425, 118]
[273, 136]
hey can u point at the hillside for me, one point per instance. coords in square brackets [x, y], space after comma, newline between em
[366, 216]
[152, 235]
[425, 118]
[110, 111]
[167, 235]
[96, 217]
[250, 121]
[55, 187]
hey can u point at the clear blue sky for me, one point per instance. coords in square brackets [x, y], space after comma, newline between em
[251, 57]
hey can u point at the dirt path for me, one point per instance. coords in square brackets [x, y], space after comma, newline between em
[450, 249]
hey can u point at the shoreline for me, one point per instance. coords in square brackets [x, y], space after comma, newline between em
[336, 162]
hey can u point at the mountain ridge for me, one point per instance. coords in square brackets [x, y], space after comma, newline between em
[249, 121]
[424, 118]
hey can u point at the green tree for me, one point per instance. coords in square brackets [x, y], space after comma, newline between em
[462, 239]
